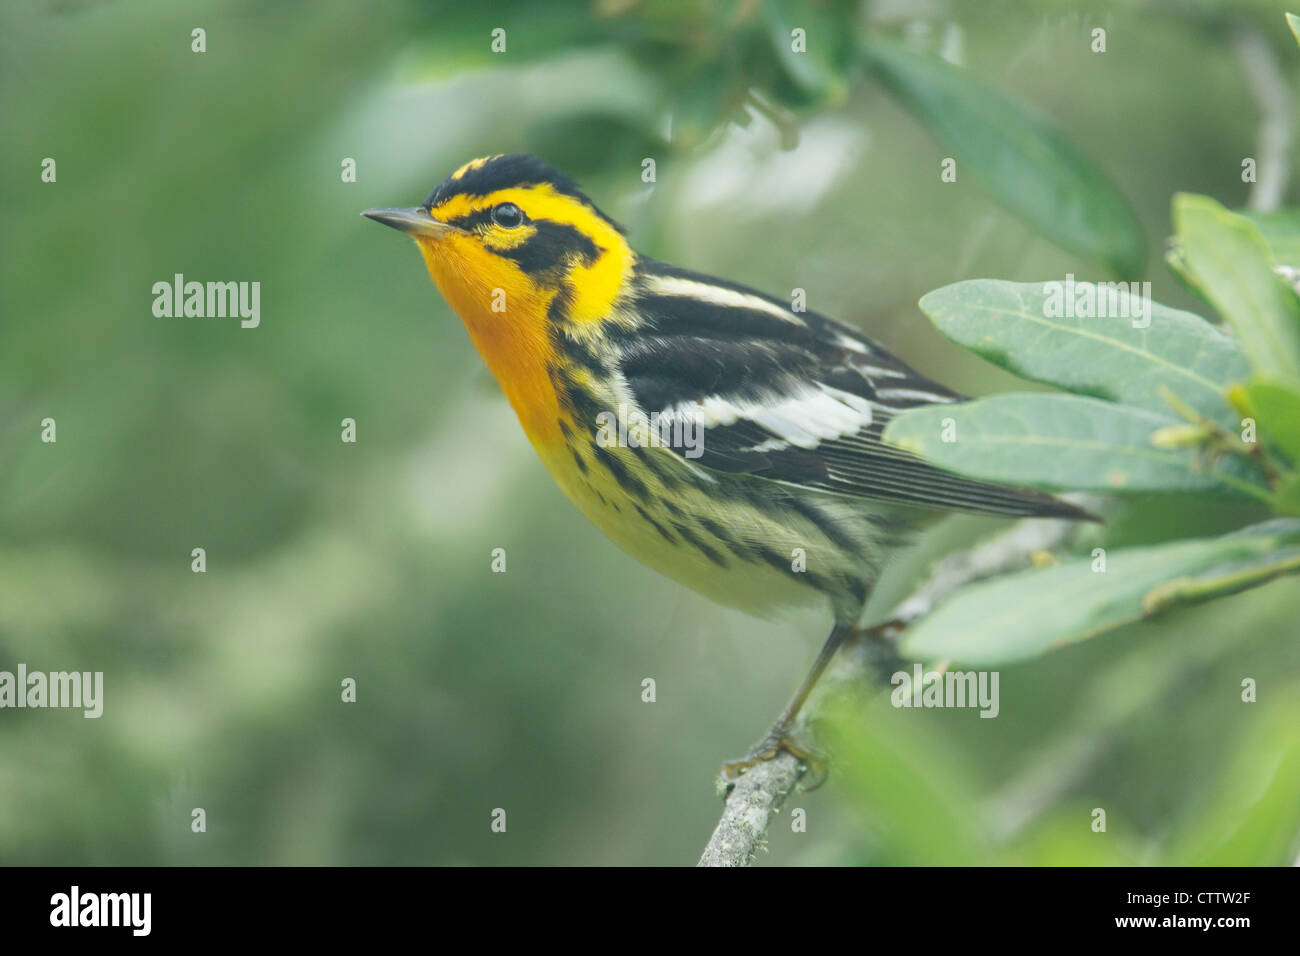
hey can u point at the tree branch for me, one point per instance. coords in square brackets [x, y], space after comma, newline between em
[759, 793]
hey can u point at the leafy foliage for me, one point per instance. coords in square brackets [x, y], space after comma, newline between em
[1024, 615]
[1024, 161]
[1172, 407]
[709, 65]
[1227, 259]
[1066, 442]
[1121, 360]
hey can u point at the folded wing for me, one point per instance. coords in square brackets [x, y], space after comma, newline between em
[792, 397]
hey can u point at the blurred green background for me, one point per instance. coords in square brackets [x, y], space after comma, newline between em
[328, 560]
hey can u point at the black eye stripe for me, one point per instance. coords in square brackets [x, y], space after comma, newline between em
[481, 217]
[488, 217]
[543, 254]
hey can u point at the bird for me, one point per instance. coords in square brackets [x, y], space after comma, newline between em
[715, 433]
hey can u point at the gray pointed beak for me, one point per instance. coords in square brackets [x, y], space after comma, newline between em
[412, 220]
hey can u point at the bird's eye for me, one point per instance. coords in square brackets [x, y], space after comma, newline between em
[508, 214]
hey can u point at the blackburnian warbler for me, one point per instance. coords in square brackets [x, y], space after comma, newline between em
[790, 497]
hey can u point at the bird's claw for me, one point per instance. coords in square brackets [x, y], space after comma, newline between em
[775, 741]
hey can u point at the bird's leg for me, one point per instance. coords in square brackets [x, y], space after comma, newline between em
[780, 737]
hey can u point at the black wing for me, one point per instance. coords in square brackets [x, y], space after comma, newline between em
[792, 397]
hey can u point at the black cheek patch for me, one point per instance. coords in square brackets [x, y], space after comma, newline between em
[545, 254]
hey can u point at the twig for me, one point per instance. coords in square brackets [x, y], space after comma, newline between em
[751, 803]
[761, 791]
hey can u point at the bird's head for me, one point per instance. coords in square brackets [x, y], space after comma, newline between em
[526, 260]
[508, 237]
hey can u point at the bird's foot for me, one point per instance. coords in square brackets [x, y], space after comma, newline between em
[775, 741]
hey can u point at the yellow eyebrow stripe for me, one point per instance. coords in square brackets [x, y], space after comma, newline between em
[539, 202]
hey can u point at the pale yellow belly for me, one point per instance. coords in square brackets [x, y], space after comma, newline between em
[727, 549]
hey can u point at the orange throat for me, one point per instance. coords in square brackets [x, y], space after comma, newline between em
[505, 315]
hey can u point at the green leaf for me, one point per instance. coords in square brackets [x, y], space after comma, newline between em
[1286, 499]
[1063, 442]
[702, 102]
[1277, 412]
[1026, 162]
[1229, 260]
[1023, 615]
[820, 69]
[1294, 23]
[1281, 230]
[1020, 327]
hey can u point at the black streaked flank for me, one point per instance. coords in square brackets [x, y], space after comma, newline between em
[579, 403]
[823, 522]
[660, 465]
[783, 565]
[736, 547]
[671, 480]
[691, 538]
[657, 526]
[777, 560]
[818, 582]
[626, 480]
[581, 354]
